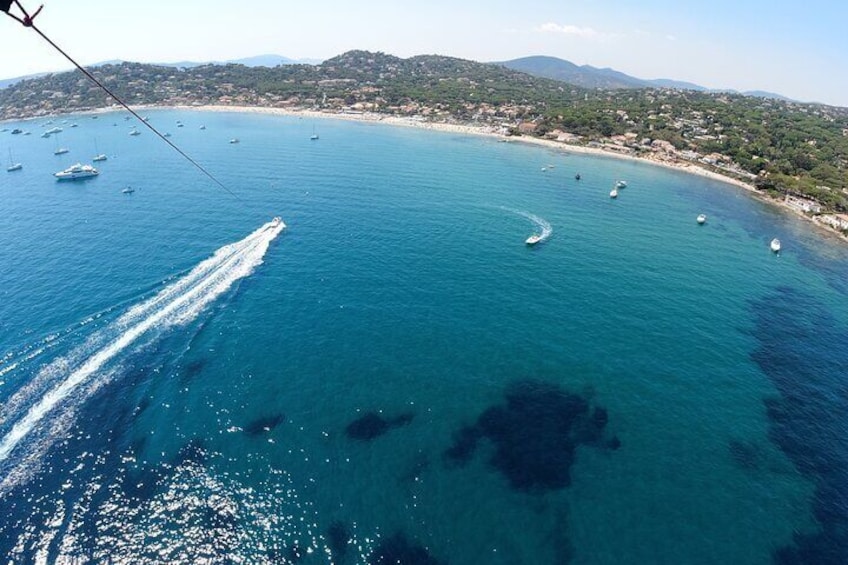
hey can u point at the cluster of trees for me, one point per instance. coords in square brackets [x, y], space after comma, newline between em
[792, 147]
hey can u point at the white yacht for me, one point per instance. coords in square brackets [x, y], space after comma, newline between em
[702, 218]
[614, 193]
[775, 245]
[533, 239]
[75, 172]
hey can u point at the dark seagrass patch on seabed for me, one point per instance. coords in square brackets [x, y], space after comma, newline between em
[372, 425]
[263, 425]
[535, 435]
[803, 350]
[398, 549]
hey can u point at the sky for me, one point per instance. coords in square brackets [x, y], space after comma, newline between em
[797, 49]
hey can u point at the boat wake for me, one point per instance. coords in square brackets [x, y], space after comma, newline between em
[543, 226]
[42, 410]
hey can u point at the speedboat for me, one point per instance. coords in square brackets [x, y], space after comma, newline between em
[702, 218]
[276, 221]
[533, 239]
[614, 193]
[775, 245]
[128, 190]
[621, 184]
[75, 172]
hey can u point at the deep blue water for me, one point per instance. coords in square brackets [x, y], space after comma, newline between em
[399, 377]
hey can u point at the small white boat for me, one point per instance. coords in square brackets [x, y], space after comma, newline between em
[314, 136]
[775, 245]
[234, 140]
[167, 135]
[100, 156]
[277, 221]
[12, 165]
[621, 184]
[614, 193]
[53, 130]
[45, 135]
[78, 171]
[135, 132]
[128, 190]
[544, 169]
[702, 218]
[533, 239]
[61, 150]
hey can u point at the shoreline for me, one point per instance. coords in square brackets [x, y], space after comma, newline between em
[488, 131]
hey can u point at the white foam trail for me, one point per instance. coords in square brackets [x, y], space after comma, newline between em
[543, 225]
[176, 304]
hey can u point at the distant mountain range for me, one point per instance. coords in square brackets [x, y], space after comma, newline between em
[585, 76]
[256, 61]
[588, 76]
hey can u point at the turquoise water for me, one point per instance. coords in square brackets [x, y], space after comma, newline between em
[634, 389]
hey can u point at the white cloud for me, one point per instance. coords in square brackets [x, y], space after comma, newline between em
[567, 29]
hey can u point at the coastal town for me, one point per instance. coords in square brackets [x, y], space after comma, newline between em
[792, 154]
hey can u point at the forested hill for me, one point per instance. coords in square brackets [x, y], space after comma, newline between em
[789, 146]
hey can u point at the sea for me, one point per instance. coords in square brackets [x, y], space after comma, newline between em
[397, 377]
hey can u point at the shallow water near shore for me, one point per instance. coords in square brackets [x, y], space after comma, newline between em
[398, 376]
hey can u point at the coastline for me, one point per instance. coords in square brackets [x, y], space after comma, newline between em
[489, 131]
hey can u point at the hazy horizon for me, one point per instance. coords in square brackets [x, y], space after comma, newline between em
[792, 50]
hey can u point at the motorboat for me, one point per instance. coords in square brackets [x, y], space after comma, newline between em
[128, 190]
[621, 184]
[76, 172]
[16, 131]
[702, 218]
[533, 239]
[61, 150]
[135, 132]
[614, 193]
[577, 176]
[234, 140]
[202, 127]
[54, 130]
[100, 157]
[775, 245]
